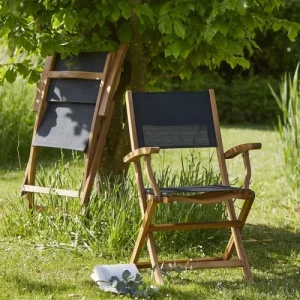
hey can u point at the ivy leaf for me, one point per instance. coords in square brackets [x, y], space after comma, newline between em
[179, 29]
[124, 33]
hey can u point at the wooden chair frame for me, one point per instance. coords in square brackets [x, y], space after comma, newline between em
[149, 202]
[101, 120]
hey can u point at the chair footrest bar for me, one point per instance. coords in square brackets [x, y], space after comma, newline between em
[51, 191]
[190, 226]
[196, 264]
[147, 264]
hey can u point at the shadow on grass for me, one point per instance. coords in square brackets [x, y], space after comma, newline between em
[30, 285]
[274, 257]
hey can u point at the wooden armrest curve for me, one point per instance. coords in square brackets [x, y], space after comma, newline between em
[136, 154]
[234, 151]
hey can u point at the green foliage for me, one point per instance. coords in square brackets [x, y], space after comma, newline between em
[289, 129]
[131, 285]
[111, 221]
[241, 101]
[176, 36]
[16, 120]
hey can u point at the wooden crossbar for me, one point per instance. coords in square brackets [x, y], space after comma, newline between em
[76, 75]
[195, 264]
[196, 225]
[50, 191]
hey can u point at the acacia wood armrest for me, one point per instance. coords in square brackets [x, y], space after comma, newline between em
[136, 154]
[234, 151]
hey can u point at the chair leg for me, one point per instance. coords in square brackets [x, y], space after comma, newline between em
[29, 177]
[154, 259]
[237, 238]
[236, 233]
[242, 217]
[150, 243]
[143, 231]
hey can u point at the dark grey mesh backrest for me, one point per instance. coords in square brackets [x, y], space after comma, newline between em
[68, 118]
[77, 90]
[174, 119]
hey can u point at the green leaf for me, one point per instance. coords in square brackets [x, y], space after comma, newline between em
[10, 75]
[179, 29]
[276, 26]
[172, 49]
[165, 9]
[144, 10]
[116, 14]
[165, 26]
[69, 21]
[124, 32]
[57, 20]
[292, 34]
[185, 73]
[126, 11]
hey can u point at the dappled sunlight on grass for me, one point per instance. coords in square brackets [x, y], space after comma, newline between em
[33, 267]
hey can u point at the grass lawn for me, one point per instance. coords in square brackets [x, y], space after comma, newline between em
[272, 241]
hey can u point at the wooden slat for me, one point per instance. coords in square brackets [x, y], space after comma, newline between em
[110, 86]
[112, 67]
[198, 225]
[195, 264]
[50, 191]
[76, 75]
[44, 82]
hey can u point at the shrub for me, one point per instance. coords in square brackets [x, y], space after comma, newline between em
[16, 120]
[289, 128]
[242, 100]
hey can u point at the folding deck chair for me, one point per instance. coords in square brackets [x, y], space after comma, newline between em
[73, 108]
[185, 120]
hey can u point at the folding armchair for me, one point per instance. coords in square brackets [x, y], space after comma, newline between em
[185, 120]
[74, 106]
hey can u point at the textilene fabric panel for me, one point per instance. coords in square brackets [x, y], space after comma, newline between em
[66, 126]
[174, 119]
[194, 189]
[73, 90]
[85, 61]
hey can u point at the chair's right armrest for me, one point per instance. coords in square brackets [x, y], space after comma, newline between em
[138, 153]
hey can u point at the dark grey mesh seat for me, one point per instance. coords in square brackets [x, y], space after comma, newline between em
[194, 189]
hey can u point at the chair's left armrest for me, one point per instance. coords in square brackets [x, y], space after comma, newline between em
[234, 151]
[136, 154]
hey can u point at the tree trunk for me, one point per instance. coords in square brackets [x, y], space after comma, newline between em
[134, 77]
[117, 140]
